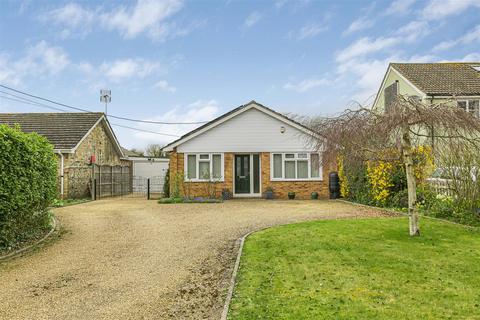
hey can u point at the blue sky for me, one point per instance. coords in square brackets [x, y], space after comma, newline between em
[183, 61]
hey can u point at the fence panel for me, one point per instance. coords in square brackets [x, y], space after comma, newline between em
[112, 181]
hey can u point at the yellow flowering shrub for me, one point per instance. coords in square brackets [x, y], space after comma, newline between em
[423, 162]
[379, 175]
[344, 187]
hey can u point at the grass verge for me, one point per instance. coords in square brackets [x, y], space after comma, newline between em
[359, 269]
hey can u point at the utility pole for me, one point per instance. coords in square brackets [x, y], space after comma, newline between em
[106, 97]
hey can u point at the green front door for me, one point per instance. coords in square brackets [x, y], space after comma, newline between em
[242, 173]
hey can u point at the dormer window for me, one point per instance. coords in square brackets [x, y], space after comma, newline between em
[470, 106]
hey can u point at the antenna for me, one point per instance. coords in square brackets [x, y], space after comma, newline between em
[105, 96]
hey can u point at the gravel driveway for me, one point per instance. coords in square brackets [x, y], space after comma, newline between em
[136, 259]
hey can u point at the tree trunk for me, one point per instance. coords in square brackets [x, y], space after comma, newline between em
[411, 183]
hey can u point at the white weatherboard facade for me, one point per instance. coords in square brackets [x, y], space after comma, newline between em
[250, 131]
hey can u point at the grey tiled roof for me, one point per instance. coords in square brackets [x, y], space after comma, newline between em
[63, 130]
[451, 78]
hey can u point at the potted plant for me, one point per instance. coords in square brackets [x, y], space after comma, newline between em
[291, 195]
[268, 193]
[314, 195]
[226, 194]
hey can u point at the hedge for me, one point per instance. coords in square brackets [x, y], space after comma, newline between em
[28, 168]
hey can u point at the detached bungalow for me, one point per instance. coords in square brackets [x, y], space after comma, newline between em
[247, 150]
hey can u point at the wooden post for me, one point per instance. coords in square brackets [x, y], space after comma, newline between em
[100, 181]
[111, 181]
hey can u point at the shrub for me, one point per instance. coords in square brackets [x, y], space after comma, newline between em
[27, 184]
[166, 184]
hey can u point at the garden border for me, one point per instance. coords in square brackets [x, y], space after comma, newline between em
[406, 214]
[21, 250]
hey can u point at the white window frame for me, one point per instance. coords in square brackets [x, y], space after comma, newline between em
[197, 166]
[467, 106]
[296, 158]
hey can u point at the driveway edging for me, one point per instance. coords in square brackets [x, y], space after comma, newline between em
[233, 280]
[45, 237]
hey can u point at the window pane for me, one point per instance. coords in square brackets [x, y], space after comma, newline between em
[290, 156]
[473, 107]
[204, 156]
[463, 105]
[315, 165]
[302, 169]
[217, 166]
[191, 166]
[290, 169]
[204, 169]
[277, 165]
[302, 156]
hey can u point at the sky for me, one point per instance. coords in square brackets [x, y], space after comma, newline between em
[191, 61]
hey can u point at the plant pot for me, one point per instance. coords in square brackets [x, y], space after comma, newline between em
[226, 195]
[268, 195]
[291, 195]
[314, 195]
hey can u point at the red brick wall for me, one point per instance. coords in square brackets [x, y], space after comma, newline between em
[302, 189]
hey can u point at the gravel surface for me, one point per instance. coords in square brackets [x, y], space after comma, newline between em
[136, 259]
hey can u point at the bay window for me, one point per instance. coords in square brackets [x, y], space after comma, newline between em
[295, 166]
[204, 167]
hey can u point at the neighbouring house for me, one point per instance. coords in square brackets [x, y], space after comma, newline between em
[246, 151]
[432, 83]
[82, 142]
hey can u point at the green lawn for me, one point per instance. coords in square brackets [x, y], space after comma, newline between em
[359, 269]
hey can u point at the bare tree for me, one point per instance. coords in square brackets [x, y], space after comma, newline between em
[154, 150]
[366, 134]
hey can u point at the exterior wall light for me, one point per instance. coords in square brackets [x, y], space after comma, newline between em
[282, 129]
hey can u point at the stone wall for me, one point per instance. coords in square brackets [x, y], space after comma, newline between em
[77, 168]
[302, 189]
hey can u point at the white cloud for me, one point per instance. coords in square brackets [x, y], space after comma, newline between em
[472, 57]
[306, 84]
[200, 110]
[359, 24]
[309, 31]
[364, 46]
[252, 19]
[8, 72]
[472, 36]
[164, 86]
[439, 9]
[39, 59]
[414, 31]
[124, 69]
[399, 7]
[147, 16]
[71, 14]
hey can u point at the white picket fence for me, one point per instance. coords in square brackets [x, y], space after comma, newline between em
[441, 186]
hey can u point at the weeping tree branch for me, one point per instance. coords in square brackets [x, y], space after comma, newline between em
[365, 134]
